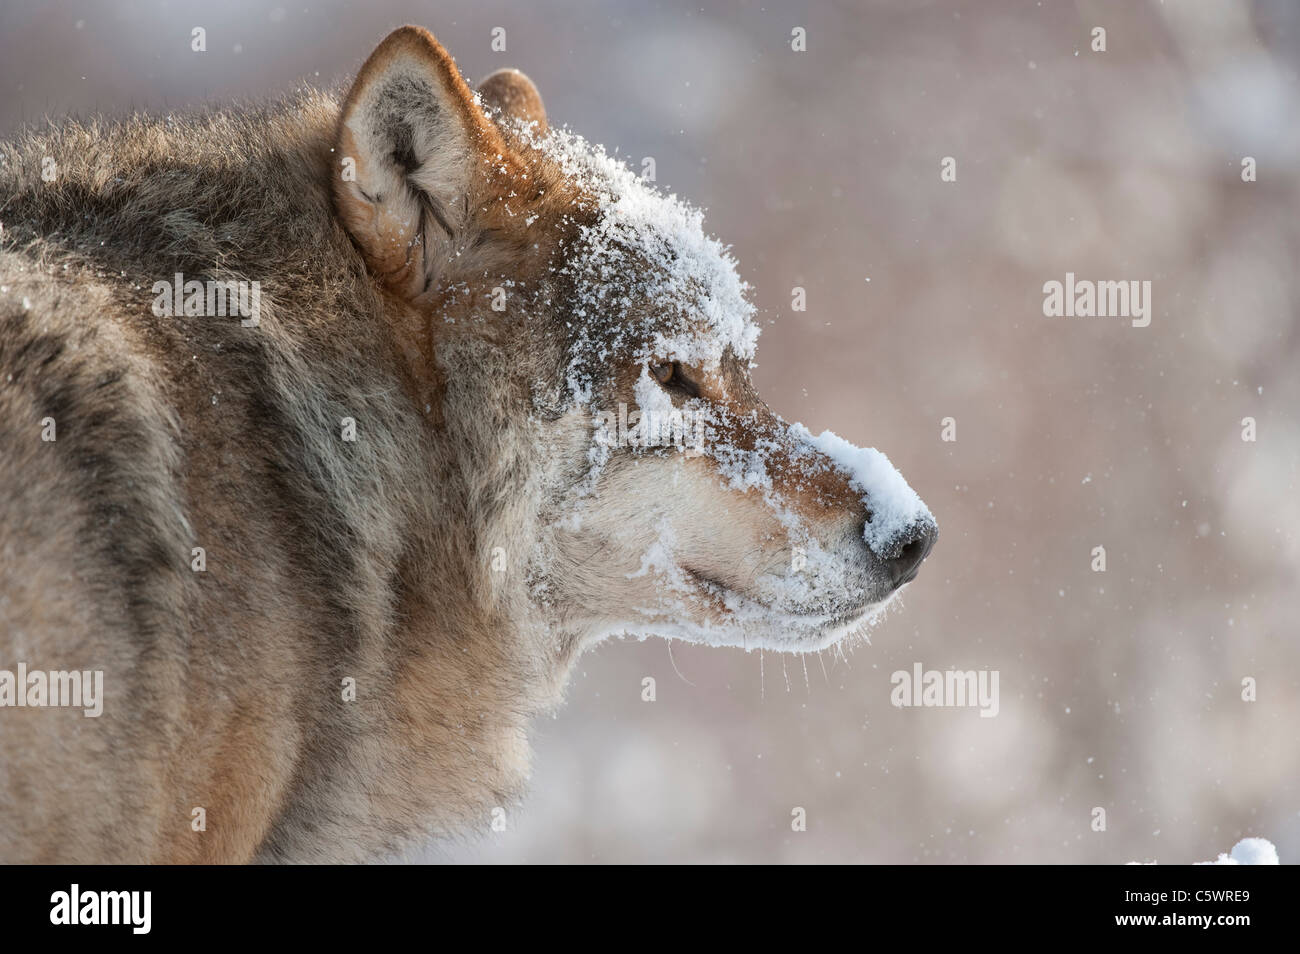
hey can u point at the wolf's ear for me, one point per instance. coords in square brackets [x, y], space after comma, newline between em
[514, 96]
[412, 154]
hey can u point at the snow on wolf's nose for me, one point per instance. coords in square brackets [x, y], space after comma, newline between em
[900, 520]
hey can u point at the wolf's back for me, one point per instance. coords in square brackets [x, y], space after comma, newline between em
[131, 440]
[91, 553]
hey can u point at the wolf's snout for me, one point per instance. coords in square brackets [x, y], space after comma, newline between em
[904, 567]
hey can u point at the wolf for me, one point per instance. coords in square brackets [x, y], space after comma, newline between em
[331, 559]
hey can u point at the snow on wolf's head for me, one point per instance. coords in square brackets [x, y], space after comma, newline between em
[592, 348]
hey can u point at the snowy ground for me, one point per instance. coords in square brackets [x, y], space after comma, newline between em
[1248, 851]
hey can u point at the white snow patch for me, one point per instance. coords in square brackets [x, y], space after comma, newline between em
[651, 398]
[742, 469]
[895, 507]
[1248, 851]
[665, 289]
[658, 559]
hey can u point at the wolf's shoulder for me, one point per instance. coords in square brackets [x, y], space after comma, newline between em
[89, 448]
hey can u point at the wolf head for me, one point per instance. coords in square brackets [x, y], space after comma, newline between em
[587, 349]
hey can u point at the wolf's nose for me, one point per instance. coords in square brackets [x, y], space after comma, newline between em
[904, 567]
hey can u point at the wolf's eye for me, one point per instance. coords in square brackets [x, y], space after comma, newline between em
[671, 376]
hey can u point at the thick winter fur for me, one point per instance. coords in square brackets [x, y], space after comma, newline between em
[430, 559]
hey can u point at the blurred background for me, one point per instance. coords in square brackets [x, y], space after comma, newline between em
[1119, 689]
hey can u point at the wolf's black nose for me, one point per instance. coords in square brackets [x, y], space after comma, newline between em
[904, 567]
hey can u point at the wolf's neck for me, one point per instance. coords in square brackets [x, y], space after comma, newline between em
[472, 665]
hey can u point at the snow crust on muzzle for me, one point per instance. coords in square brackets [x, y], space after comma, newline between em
[897, 512]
